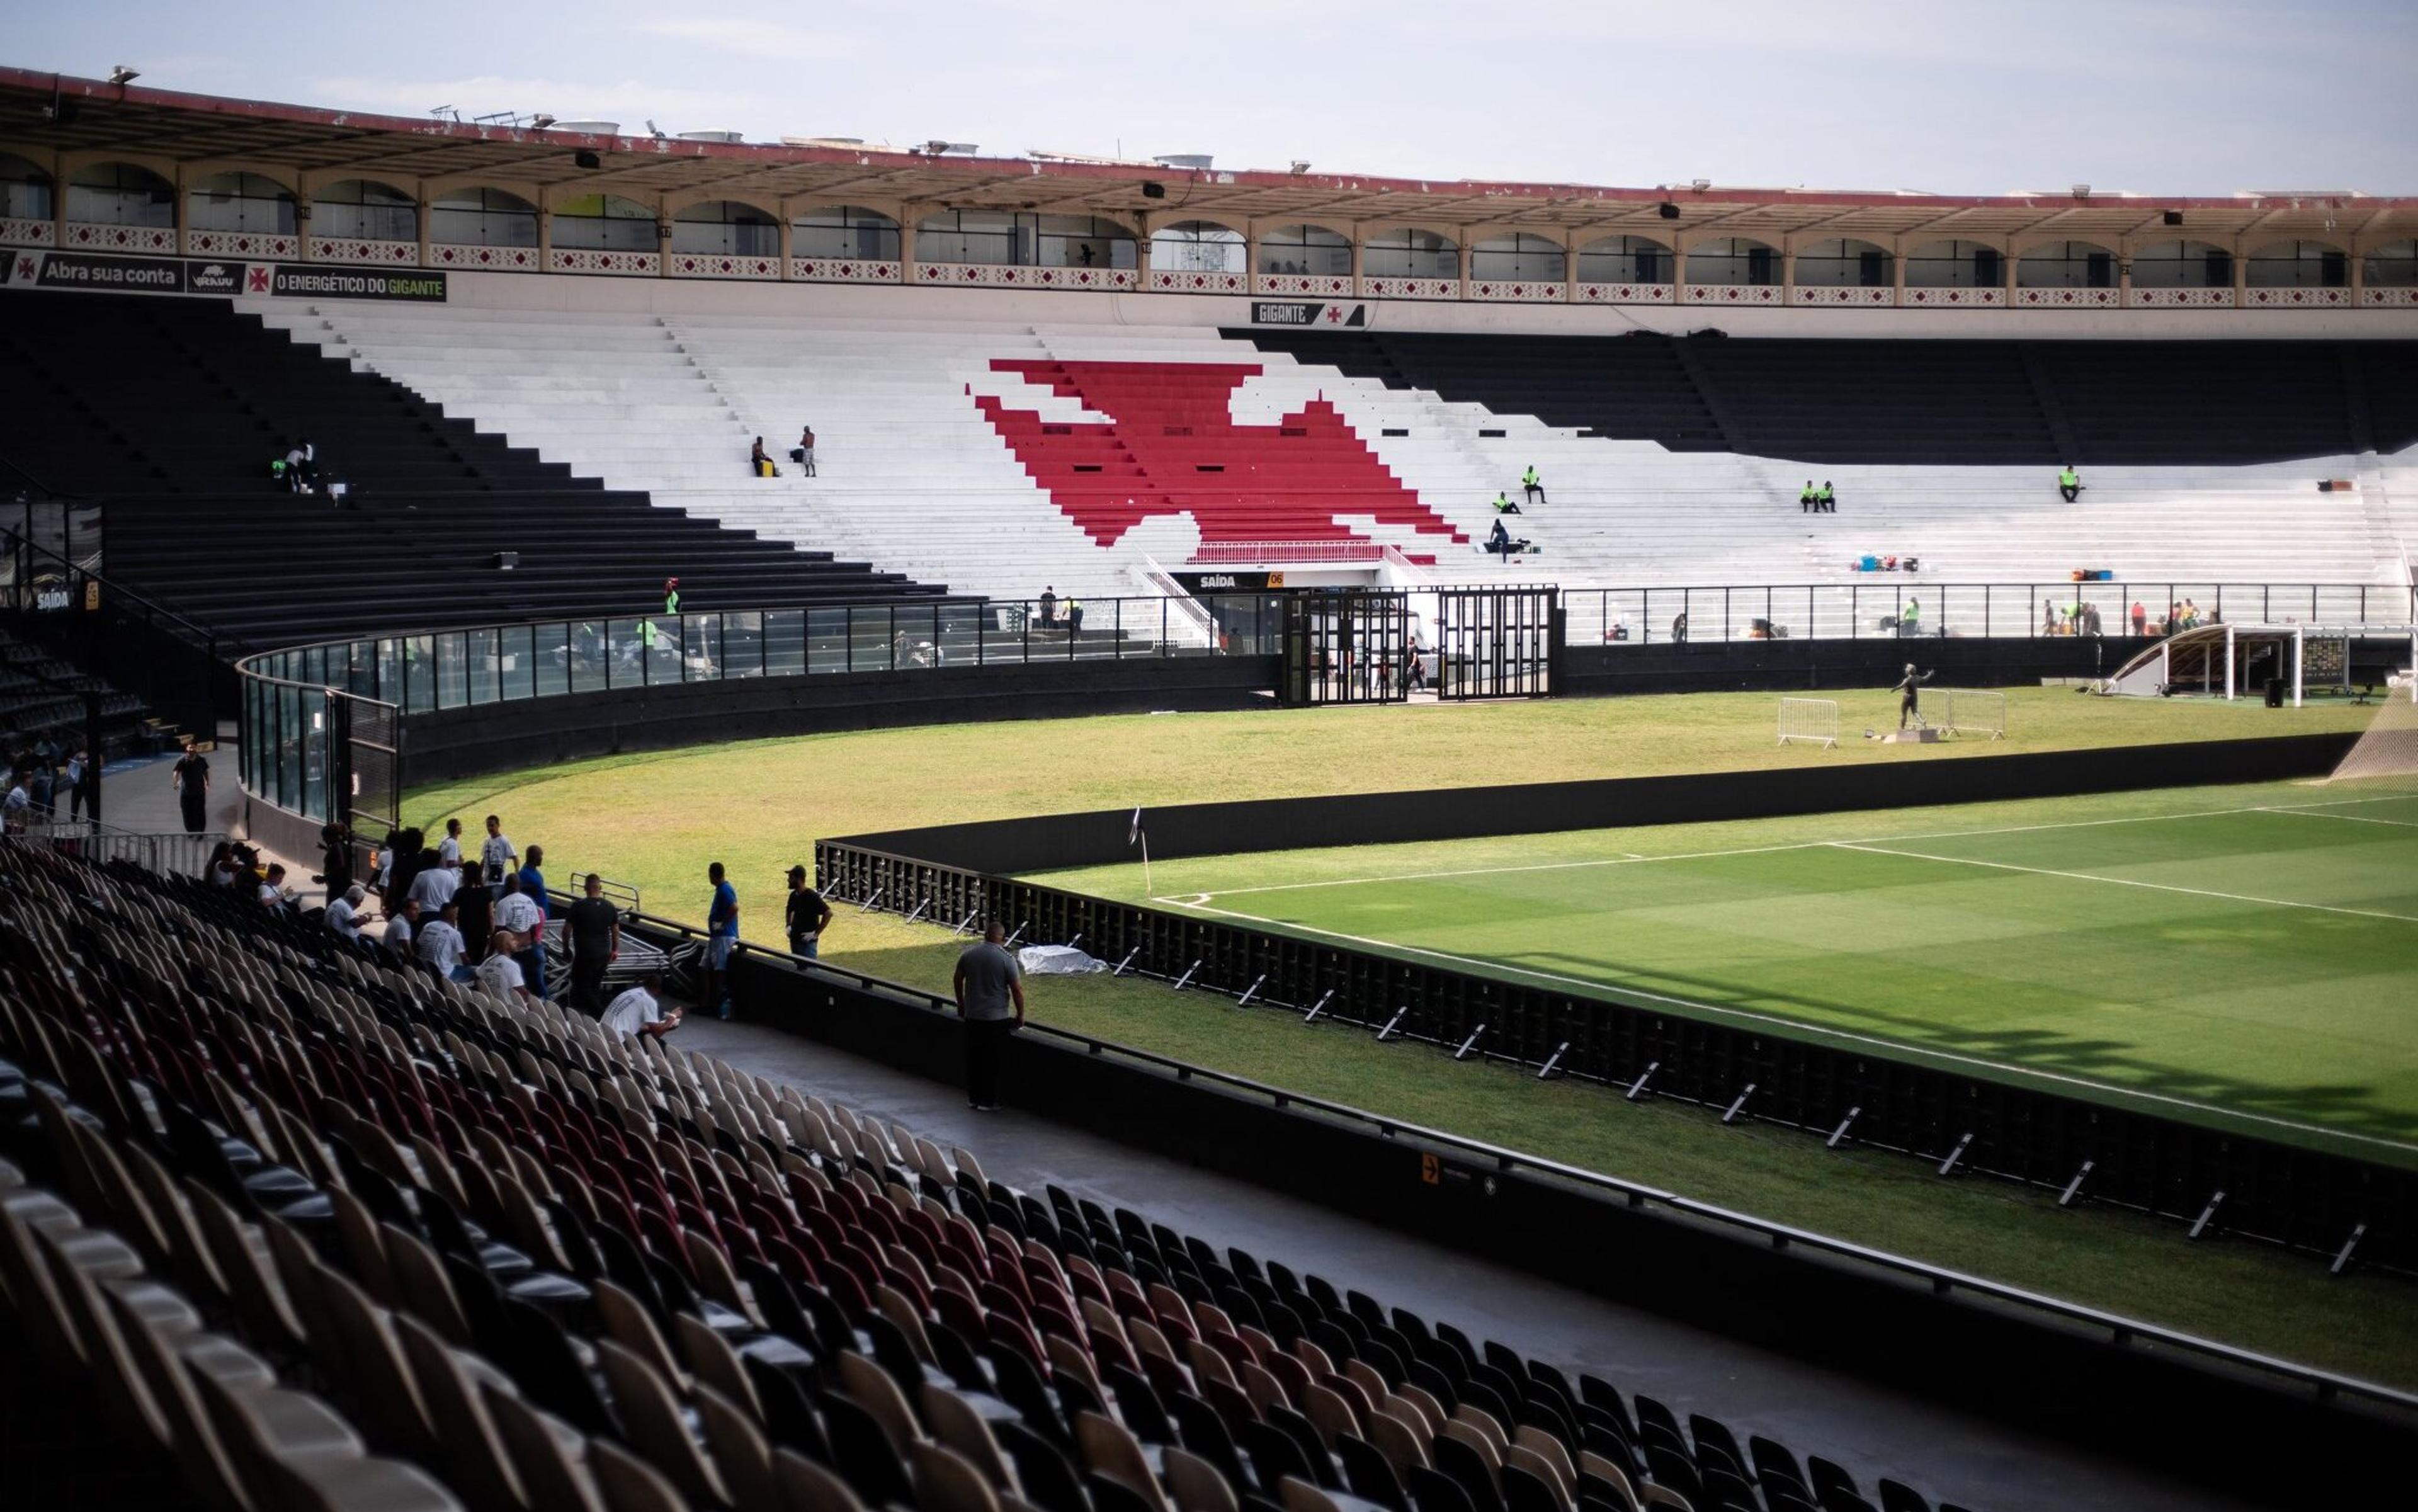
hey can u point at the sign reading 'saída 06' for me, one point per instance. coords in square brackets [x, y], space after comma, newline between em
[100, 272]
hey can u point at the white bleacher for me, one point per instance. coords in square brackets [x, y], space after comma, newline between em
[914, 479]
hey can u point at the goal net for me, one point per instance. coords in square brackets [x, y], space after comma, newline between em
[1963, 710]
[1809, 719]
[2386, 757]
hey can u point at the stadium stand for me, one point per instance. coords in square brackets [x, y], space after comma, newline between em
[170, 411]
[318, 1230]
[43, 694]
[1665, 460]
[2015, 403]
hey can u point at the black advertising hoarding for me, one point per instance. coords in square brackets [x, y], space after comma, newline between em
[91, 270]
[1310, 312]
[224, 278]
[318, 281]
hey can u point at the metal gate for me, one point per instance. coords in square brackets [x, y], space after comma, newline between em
[367, 746]
[1348, 646]
[1498, 642]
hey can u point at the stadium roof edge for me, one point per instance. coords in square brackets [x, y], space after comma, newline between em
[137, 120]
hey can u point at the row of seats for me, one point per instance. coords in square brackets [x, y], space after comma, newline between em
[171, 411]
[281, 568]
[324, 1230]
[41, 694]
[113, 394]
[1939, 403]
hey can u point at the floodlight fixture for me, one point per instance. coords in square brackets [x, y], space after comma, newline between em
[124, 75]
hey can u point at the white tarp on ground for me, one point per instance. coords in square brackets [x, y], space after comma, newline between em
[1057, 960]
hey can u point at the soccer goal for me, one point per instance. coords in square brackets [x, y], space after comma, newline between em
[1965, 711]
[1809, 719]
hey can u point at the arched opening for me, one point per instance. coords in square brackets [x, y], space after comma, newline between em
[726, 228]
[604, 222]
[1518, 257]
[482, 218]
[1311, 251]
[239, 201]
[1844, 264]
[1198, 247]
[2066, 264]
[365, 209]
[1410, 253]
[25, 192]
[2297, 265]
[2183, 264]
[1023, 239]
[1955, 264]
[2393, 265]
[1733, 260]
[1625, 260]
[844, 231]
[120, 194]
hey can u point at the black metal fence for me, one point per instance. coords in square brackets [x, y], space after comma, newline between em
[2088, 1151]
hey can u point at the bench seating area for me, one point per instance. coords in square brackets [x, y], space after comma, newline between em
[281, 568]
[2036, 404]
[309, 1228]
[170, 411]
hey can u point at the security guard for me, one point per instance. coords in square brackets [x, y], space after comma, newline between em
[1807, 498]
[1530, 488]
[1503, 504]
[1826, 501]
[2069, 483]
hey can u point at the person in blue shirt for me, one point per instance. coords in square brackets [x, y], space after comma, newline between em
[721, 929]
[533, 887]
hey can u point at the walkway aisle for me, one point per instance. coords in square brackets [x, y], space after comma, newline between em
[1874, 1431]
[137, 797]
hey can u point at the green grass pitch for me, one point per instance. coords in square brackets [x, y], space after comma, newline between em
[2239, 956]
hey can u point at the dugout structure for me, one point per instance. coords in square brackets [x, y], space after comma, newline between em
[2229, 661]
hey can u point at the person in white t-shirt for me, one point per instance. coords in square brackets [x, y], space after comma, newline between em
[449, 849]
[516, 910]
[439, 942]
[402, 922]
[639, 1012]
[499, 974]
[434, 885]
[343, 915]
[496, 855]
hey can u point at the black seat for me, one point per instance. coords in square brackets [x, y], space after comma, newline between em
[1049, 1480]
[1369, 1474]
[861, 1454]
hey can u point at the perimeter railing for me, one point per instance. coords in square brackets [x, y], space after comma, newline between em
[1886, 604]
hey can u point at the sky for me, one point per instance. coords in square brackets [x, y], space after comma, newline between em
[1946, 97]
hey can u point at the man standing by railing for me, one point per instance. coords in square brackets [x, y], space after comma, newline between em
[989, 990]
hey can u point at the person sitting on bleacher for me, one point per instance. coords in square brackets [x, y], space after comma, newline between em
[1503, 504]
[2069, 483]
[401, 925]
[438, 942]
[760, 464]
[1825, 499]
[1532, 488]
[272, 889]
[499, 973]
[1806, 498]
[344, 914]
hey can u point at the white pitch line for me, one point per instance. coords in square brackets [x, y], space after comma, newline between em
[2124, 881]
[1631, 858]
[1808, 1026]
[2354, 818]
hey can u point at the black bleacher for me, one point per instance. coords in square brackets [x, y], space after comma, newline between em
[1914, 402]
[171, 410]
